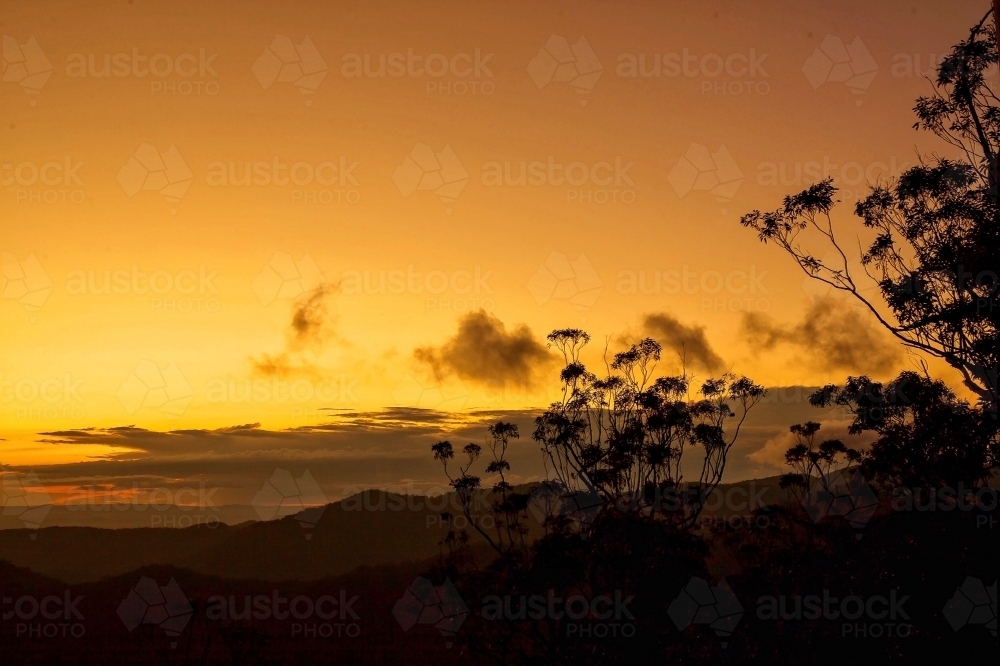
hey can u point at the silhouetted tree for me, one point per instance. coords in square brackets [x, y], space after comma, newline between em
[623, 437]
[813, 463]
[937, 245]
[502, 523]
[928, 438]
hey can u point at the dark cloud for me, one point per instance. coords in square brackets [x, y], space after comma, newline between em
[311, 318]
[382, 449]
[310, 328]
[772, 453]
[688, 341]
[354, 450]
[484, 352]
[832, 335]
[283, 366]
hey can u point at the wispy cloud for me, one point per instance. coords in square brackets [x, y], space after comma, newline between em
[689, 342]
[832, 336]
[311, 327]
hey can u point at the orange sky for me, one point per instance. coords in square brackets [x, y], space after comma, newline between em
[413, 174]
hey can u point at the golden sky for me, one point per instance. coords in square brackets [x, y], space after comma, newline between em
[178, 178]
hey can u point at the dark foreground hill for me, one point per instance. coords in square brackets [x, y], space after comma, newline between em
[363, 583]
[369, 529]
[199, 619]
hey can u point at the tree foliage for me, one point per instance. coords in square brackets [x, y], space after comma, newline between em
[936, 249]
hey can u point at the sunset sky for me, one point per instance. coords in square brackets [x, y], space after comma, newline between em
[149, 280]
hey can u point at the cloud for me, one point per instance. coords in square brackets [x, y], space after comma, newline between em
[386, 448]
[772, 453]
[310, 328]
[834, 336]
[483, 351]
[310, 318]
[688, 341]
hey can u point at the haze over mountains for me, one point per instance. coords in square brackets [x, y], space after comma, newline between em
[369, 529]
